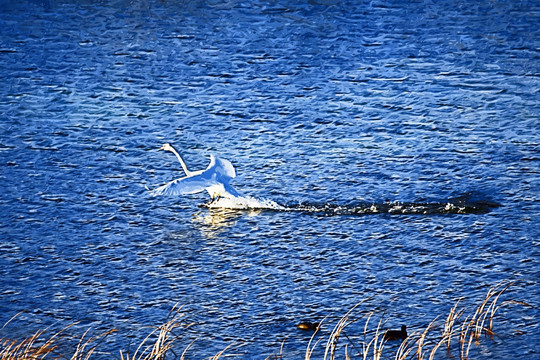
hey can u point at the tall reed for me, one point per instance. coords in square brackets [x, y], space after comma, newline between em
[37, 346]
[163, 343]
[423, 343]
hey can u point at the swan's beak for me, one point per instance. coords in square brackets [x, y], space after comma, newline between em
[162, 147]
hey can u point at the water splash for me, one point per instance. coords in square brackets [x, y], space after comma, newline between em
[465, 204]
[245, 203]
[400, 208]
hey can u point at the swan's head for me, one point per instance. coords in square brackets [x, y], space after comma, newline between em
[166, 147]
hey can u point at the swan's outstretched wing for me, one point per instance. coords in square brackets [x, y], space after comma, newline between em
[222, 171]
[215, 180]
[186, 185]
[221, 167]
[230, 191]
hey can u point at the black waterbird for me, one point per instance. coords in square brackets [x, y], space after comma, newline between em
[396, 334]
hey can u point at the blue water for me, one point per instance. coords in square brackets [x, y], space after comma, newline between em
[343, 112]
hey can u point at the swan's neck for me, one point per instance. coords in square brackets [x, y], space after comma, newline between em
[182, 163]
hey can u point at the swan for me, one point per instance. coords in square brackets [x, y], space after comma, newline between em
[214, 179]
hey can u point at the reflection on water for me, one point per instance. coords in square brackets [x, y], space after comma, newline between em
[215, 221]
[212, 222]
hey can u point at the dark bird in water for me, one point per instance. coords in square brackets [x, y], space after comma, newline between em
[396, 334]
[308, 326]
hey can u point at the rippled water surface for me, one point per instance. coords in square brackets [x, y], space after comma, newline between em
[400, 142]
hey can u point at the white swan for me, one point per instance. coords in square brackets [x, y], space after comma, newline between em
[215, 179]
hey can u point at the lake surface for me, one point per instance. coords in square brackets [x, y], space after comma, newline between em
[400, 142]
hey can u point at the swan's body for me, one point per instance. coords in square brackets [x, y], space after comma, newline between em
[215, 179]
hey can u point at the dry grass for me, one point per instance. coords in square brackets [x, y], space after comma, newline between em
[37, 346]
[29, 348]
[426, 343]
[421, 344]
[163, 342]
